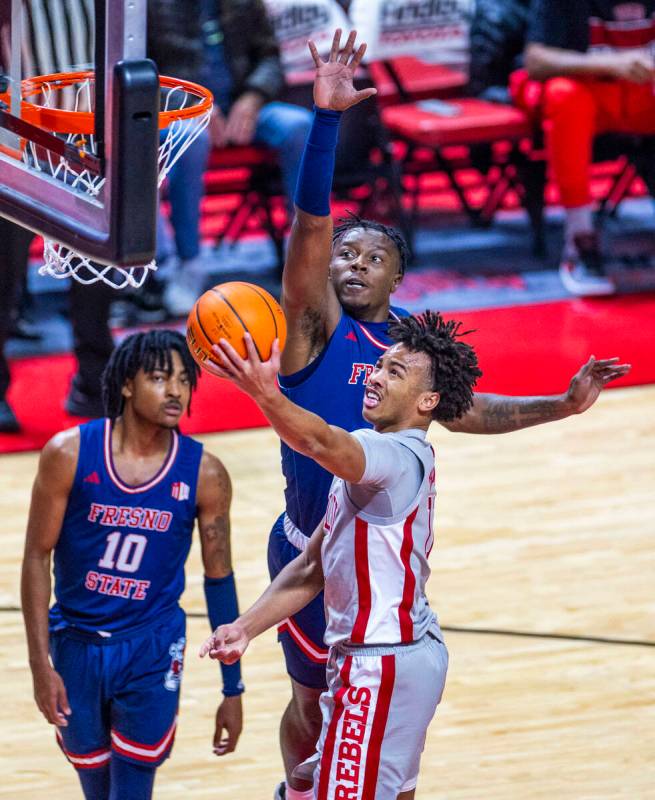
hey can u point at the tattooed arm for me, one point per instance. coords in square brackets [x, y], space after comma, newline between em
[492, 413]
[213, 498]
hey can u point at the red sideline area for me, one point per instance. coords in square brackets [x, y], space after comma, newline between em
[531, 349]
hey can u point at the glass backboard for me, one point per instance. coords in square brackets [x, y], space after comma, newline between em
[78, 153]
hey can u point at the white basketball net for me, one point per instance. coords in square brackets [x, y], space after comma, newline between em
[60, 261]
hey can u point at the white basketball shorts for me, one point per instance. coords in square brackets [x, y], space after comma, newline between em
[376, 713]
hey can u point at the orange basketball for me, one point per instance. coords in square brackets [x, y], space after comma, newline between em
[227, 311]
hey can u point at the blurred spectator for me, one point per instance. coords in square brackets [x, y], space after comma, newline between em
[48, 49]
[498, 33]
[596, 59]
[229, 47]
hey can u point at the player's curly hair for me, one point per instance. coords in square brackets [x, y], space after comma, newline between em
[148, 351]
[352, 221]
[455, 368]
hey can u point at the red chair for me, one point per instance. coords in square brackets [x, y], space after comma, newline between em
[449, 132]
[407, 78]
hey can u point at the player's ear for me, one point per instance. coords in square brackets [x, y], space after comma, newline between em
[396, 281]
[128, 389]
[428, 401]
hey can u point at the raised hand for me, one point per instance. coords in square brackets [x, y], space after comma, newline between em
[227, 643]
[333, 83]
[591, 379]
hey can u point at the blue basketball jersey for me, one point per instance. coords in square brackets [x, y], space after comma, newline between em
[119, 561]
[332, 386]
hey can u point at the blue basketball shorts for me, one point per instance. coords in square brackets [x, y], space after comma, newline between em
[123, 693]
[301, 636]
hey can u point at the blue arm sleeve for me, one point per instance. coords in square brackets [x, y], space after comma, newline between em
[222, 607]
[317, 164]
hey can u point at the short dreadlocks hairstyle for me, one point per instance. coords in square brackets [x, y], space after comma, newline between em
[353, 221]
[147, 351]
[454, 363]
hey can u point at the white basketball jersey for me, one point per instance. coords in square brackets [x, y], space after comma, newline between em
[376, 568]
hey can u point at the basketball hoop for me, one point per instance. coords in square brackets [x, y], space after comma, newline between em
[63, 104]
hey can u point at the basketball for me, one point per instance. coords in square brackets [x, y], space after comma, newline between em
[229, 310]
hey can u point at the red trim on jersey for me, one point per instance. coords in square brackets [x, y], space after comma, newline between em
[318, 655]
[623, 33]
[363, 582]
[430, 542]
[93, 760]
[331, 736]
[150, 753]
[157, 478]
[372, 338]
[405, 609]
[379, 724]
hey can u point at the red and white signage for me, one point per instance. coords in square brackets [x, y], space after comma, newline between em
[436, 31]
[297, 21]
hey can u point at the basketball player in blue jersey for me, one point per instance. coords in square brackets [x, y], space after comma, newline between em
[115, 500]
[337, 285]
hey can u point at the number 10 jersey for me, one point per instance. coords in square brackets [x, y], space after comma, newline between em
[119, 561]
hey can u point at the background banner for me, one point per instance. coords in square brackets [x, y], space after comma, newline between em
[296, 21]
[432, 30]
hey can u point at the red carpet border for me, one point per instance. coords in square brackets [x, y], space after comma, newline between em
[531, 349]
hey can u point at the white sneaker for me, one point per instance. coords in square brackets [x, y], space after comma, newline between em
[280, 791]
[182, 291]
[582, 273]
[578, 280]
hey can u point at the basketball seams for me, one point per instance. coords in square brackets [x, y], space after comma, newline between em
[222, 309]
[268, 306]
[238, 316]
[204, 332]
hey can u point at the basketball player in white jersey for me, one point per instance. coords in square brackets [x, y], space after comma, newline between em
[387, 663]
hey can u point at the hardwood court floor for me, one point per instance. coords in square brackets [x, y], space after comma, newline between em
[549, 530]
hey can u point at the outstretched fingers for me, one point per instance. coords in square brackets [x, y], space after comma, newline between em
[607, 375]
[588, 367]
[349, 47]
[359, 55]
[336, 41]
[312, 49]
[610, 366]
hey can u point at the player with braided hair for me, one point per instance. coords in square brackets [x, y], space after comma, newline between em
[148, 353]
[336, 294]
[115, 501]
[387, 661]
